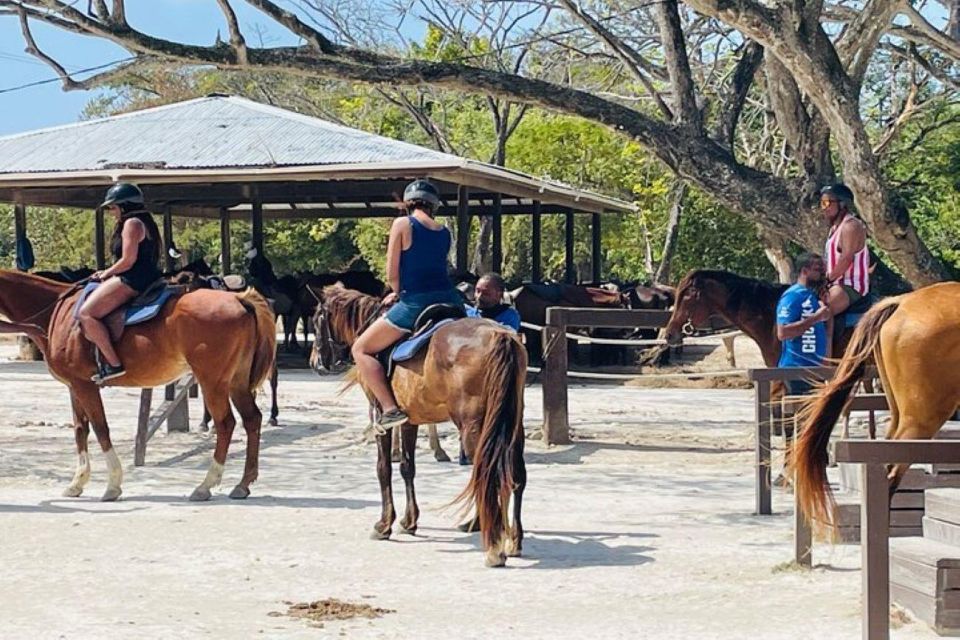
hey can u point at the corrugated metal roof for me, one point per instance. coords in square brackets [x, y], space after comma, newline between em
[210, 132]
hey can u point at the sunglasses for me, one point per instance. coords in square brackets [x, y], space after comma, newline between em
[826, 202]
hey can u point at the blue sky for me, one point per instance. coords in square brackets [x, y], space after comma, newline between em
[194, 21]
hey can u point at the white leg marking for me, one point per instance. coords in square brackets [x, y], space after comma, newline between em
[80, 477]
[214, 475]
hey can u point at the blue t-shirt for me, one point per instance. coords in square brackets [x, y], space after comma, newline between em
[809, 348]
[509, 317]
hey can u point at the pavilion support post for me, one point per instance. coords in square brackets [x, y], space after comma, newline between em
[597, 249]
[536, 259]
[99, 240]
[256, 222]
[463, 227]
[496, 262]
[225, 258]
[169, 260]
[569, 267]
[19, 220]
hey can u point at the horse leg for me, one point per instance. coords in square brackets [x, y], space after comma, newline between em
[513, 546]
[217, 400]
[395, 454]
[408, 470]
[205, 421]
[274, 410]
[438, 453]
[246, 404]
[382, 530]
[88, 396]
[81, 433]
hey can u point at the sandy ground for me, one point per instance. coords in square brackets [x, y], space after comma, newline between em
[642, 529]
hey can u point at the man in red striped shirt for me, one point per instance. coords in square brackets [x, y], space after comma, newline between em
[846, 253]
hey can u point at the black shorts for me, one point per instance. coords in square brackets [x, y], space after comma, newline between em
[140, 279]
[799, 388]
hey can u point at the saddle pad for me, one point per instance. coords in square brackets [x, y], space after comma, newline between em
[409, 348]
[851, 319]
[134, 314]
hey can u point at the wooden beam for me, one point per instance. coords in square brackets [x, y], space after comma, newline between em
[898, 451]
[569, 266]
[19, 221]
[556, 426]
[496, 262]
[99, 241]
[536, 258]
[610, 318]
[256, 222]
[225, 257]
[169, 260]
[596, 255]
[463, 227]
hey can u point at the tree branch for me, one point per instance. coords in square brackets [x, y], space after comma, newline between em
[236, 38]
[939, 39]
[743, 75]
[678, 65]
[119, 15]
[860, 40]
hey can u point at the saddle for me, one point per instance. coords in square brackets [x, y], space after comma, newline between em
[849, 318]
[427, 323]
[148, 304]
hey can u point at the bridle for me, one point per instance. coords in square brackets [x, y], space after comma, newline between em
[325, 335]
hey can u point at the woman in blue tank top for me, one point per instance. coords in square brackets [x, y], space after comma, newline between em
[417, 269]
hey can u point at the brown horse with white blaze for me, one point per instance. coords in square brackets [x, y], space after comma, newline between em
[915, 340]
[228, 340]
[472, 372]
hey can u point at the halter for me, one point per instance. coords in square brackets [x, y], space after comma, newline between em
[325, 335]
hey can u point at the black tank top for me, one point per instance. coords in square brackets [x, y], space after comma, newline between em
[144, 271]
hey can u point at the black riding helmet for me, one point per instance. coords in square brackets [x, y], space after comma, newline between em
[422, 191]
[125, 194]
[839, 190]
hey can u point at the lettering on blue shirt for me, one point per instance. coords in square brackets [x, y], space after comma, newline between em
[809, 348]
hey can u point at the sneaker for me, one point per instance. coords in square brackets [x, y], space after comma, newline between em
[391, 419]
[108, 372]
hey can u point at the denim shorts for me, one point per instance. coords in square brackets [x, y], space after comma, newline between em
[405, 312]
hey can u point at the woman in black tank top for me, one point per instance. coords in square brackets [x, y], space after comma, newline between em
[136, 248]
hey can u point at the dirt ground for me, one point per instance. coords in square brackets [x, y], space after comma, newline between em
[641, 529]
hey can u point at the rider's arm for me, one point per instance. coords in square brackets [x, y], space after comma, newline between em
[395, 247]
[853, 237]
[133, 232]
[790, 330]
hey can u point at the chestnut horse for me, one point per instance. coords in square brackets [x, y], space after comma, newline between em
[915, 340]
[472, 372]
[227, 339]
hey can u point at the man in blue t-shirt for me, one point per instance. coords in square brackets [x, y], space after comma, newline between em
[490, 305]
[800, 321]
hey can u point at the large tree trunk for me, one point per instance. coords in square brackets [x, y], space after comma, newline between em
[673, 233]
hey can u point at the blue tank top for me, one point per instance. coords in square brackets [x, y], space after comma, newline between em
[423, 267]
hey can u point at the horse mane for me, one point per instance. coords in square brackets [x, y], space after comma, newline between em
[757, 294]
[348, 311]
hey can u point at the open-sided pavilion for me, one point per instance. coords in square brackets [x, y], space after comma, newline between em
[229, 158]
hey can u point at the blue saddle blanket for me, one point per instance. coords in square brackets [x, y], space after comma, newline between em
[852, 319]
[410, 347]
[135, 313]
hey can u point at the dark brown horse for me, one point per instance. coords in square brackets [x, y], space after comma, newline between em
[227, 339]
[472, 372]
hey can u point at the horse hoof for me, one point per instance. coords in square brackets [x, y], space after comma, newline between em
[469, 527]
[441, 456]
[200, 494]
[273, 422]
[111, 494]
[395, 457]
[495, 559]
[376, 534]
[410, 531]
[239, 492]
[72, 492]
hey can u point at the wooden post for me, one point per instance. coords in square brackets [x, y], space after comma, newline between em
[225, 257]
[256, 222]
[496, 261]
[569, 270]
[556, 428]
[764, 506]
[536, 258]
[802, 536]
[143, 420]
[179, 419]
[168, 239]
[99, 241]
[874, 551]
[19, 221]
[596, 254]
[463, 227]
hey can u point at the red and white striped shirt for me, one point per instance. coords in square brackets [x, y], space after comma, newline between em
[857, 275]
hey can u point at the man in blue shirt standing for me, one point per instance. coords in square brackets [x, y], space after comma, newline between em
[800, 321]
[490, 304]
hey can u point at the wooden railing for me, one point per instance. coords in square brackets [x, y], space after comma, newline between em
[875, 455]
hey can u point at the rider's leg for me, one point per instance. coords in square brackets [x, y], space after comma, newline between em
[105, 299]
[380, 335]
[838, 301]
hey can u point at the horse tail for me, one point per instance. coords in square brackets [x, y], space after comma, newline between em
[808, 458]
[498, 462]
[264, 336]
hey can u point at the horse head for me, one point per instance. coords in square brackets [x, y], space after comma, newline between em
[695, 302]
[342, 315]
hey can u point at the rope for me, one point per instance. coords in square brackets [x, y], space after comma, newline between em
[657, 376]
